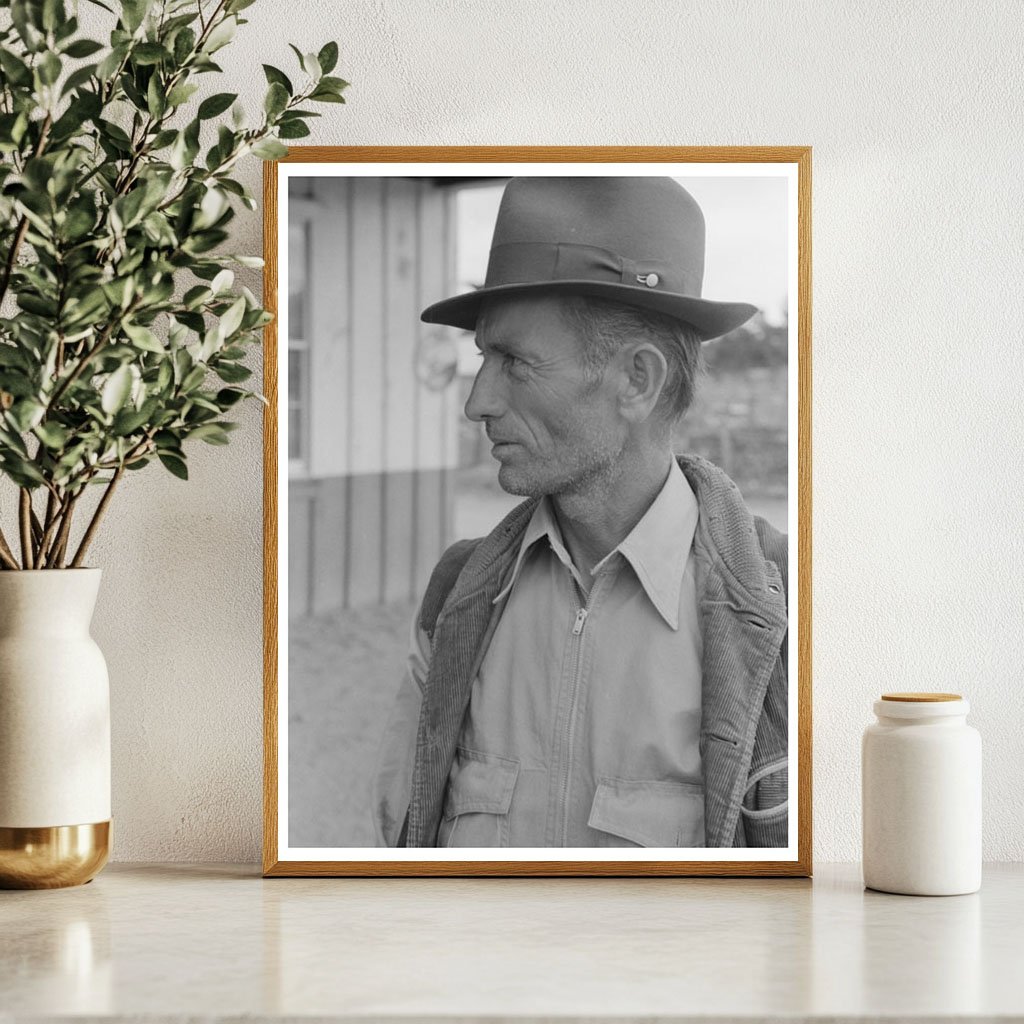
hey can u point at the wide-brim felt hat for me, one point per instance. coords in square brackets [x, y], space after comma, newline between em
[637, 240]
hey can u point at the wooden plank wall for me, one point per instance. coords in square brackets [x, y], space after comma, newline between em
[372, 508]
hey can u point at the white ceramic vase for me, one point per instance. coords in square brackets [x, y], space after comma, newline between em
[54, 731]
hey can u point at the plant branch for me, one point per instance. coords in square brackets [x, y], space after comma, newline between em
[87, 357]
[37, 527]
[61, 543]
[25, 521]
[94, 523]
[52, 523]
[6, 555]
[22, 229]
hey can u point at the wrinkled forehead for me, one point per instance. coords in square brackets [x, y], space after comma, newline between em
[520, 314]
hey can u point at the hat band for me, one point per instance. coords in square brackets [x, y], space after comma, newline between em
[542, 262]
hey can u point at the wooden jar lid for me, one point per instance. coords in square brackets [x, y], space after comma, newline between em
[920, 698]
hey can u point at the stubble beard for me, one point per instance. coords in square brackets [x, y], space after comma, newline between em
[584, 474]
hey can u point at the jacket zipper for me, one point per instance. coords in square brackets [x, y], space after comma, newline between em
[577, 634]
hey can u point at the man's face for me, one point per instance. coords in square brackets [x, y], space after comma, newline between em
[554, 428]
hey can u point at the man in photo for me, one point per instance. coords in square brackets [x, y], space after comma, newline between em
[608, 667]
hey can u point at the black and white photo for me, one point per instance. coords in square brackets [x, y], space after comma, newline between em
[537, 518]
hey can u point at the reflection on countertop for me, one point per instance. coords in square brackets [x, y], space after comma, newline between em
[180, 940]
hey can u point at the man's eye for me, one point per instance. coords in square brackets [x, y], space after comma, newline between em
[513, 363]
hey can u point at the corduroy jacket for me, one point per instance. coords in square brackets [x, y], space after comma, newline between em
[741, 592]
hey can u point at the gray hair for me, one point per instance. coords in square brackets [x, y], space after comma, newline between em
[604, 326]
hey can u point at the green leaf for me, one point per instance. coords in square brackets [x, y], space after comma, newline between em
[53, 435]
[232, 373]
[277, 77]
[116, 390]
[163, 139]
[184, 44]
[129, 207]
[232, 319]
[144, 338]
[193, 379]
[78, 78]
[149, 53]
[116, 134]
[311, 66]
[111, 63]
[11, 355]
[164, 375]
[12, 441]
[128, 421]
[193, 321]
[276, 99]
[214, 105]
[269, 149]
[49, 68]
[227, 397]
[328, 57]
[221, 35]
[335, 84]
[133, 13]
[83, 48]
[175, 464]
[38, 305]
[181, 94]
[53, 15]
[293, 130]
[26, 414]
[21, 471]
[234, 6]
[222, 282]
[156, 98]
[211, 433]
[14, 68]
[26, 20]
[326, 96]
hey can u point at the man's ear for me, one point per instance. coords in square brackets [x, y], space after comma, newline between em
[644, 371]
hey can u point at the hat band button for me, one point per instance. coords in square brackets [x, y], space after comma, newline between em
[651, 280]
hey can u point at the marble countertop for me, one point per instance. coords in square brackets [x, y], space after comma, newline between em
[177, 941]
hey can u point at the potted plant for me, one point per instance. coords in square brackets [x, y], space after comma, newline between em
[122, 338]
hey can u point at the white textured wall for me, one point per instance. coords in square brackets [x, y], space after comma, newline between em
[914, 113]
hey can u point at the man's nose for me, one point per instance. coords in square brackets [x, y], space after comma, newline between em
[484, 402]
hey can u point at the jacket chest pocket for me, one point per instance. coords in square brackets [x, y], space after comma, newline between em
[476, 807]
[629, 812]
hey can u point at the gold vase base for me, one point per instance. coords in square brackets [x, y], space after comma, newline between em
[54, 857]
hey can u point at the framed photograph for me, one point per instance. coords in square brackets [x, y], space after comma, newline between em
[537, 519]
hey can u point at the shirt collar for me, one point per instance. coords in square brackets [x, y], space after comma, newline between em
[657, 547]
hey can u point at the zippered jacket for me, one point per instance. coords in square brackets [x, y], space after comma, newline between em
[742, 564]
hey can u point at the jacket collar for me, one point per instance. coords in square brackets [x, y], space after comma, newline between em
[657, 547]
[725, 528]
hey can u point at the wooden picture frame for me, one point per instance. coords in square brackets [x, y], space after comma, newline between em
[284, 581]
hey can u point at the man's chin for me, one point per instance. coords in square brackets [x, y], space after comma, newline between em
[513, 482]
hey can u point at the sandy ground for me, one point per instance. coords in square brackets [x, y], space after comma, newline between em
[344, 671]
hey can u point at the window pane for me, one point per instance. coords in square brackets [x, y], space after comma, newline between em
[294, 433]
[296, 375]
[297, 279]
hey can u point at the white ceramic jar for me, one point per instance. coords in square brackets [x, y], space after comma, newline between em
[921, 791]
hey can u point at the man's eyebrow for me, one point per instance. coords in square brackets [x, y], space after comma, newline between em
[493, 343]
[502, 344]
